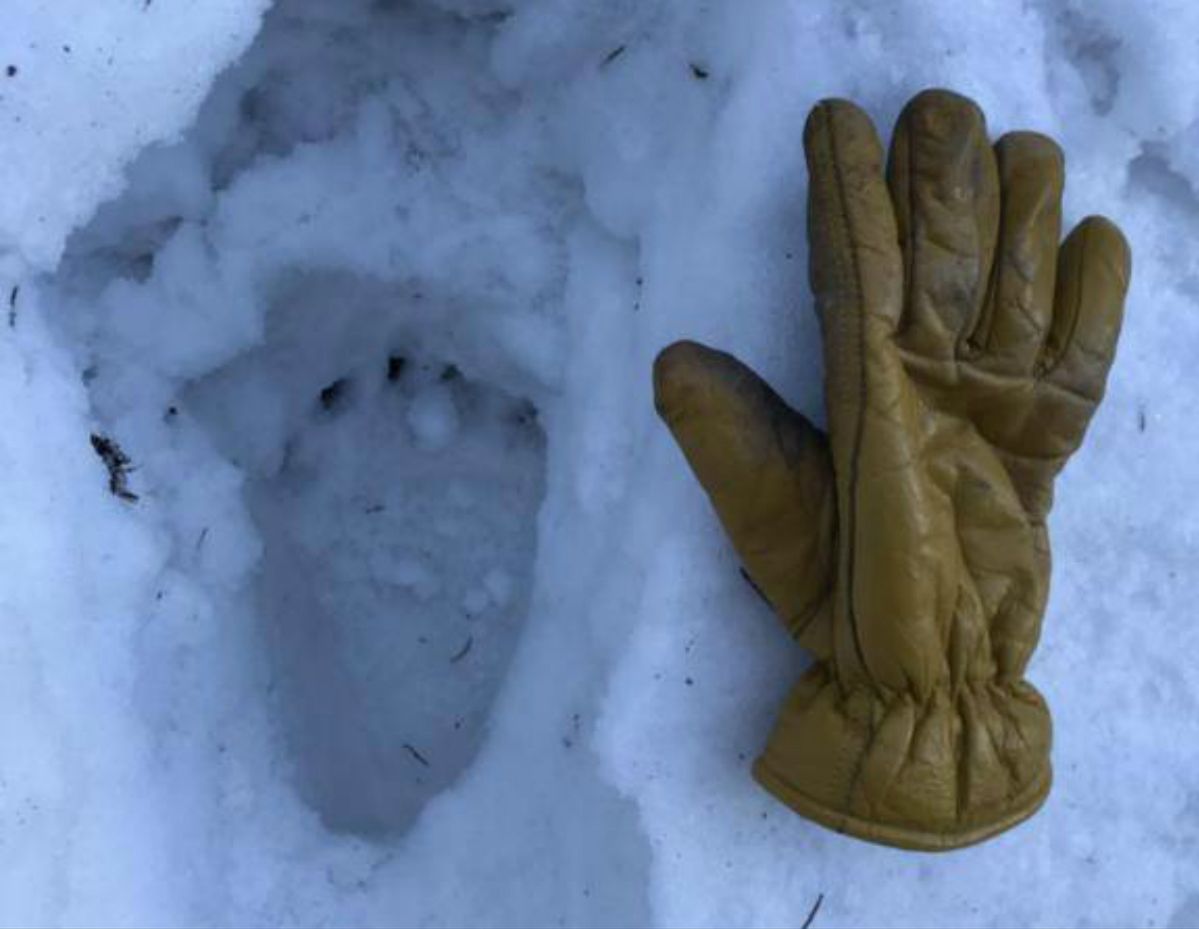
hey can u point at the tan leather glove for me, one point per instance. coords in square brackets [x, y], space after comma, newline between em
[964, 355]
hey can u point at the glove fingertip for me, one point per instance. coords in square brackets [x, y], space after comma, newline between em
[674, 374]
[835, 111]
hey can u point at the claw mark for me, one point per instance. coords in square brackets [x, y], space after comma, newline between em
[334, 395]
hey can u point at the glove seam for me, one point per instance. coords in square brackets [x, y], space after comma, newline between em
[1019, 808]
[859, 427]
[1050, 362]
[890, 695]
[978, 340]
[804, 617]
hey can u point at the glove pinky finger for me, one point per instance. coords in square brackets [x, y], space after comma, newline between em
[1093, 272]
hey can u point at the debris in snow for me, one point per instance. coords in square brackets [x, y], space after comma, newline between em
[612, 56]
[118, 464]
[807, 923]
[415, 754]
[464, 651]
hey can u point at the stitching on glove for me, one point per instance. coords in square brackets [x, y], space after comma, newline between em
[859, 432]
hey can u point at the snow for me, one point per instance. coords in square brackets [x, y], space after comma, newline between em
[86, 86]
[433, 418]
[418, 616]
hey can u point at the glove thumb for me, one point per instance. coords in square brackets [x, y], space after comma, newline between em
[768, 473]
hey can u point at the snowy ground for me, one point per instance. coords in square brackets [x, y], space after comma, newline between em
[418, 616]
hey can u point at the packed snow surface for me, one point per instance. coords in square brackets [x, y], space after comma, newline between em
[389, 601]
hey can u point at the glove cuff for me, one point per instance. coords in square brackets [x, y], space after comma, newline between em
[962, 765]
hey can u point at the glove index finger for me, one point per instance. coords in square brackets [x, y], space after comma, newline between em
[855, 262]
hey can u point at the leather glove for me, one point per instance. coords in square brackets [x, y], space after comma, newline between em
[965, 352]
